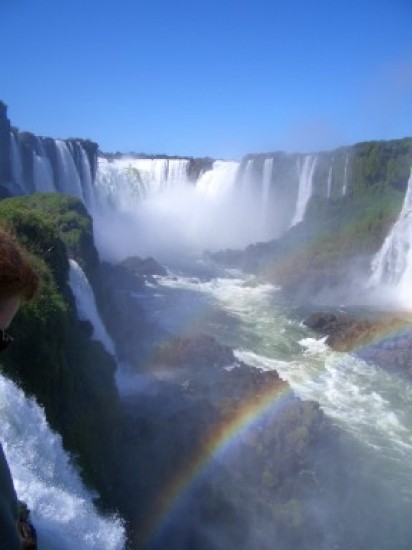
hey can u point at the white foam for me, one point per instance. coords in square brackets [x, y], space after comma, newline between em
[62, 508]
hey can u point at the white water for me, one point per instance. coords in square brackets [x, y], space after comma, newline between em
[345, 176]
[86, 305]
[62, 508]
[69, 179]
[180, 218]
[306, 172]
[365, 401]
[122, 183]
[42, 174]
[329, 187]
[16, 163]
[266, 181]
[392, 266]
[218, 182]
[86, 178]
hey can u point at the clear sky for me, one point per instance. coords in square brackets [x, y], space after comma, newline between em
[219, 78]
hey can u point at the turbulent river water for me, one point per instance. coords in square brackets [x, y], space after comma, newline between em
[369, 407]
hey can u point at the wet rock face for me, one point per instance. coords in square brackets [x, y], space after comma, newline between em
[5, 168]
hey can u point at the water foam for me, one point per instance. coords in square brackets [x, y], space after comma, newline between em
[62, 509]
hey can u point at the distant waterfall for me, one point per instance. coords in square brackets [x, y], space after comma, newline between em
[62, 508]
[69, 179]
[247, 181]
[218, 181]
[393, 263]
[122, 183]
[345, 176]
[42, 170]
[86, 305]
[266, 180]
[50, 166]
[16, 163]
[306, 172]
[329, 184]
[86, 177]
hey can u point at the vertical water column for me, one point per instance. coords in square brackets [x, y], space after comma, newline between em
[42, 170]
[16, 164]
[345, 176]
[266, 181]
[86, 305]
[86, 176]
[392, 265]
[306, 171]
[69, 179]
[329, 183]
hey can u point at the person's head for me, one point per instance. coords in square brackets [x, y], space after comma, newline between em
[18, 281]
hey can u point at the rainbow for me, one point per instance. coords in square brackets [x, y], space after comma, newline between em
[217, 443]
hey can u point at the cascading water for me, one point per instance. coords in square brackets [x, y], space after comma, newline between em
[69, 179]
[42, 170]
[392, 266]
[345, 176]
[329, 184]
[306, 171]
[16, 164]
[266, 181]
[122, 183]
[87, 179]
[62, 509]
[86, 305]
[219, 180]
[369, 406]
[247, 181]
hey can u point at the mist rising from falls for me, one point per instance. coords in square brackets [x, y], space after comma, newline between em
[156, 210]
[62, 509]
[86, 305]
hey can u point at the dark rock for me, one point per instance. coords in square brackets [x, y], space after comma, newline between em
[139, 267]
[26, 528]
[5, 167]
[384, 339]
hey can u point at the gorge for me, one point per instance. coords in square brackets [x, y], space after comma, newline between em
[188, 406]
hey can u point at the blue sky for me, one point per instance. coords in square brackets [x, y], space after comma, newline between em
[219, 78]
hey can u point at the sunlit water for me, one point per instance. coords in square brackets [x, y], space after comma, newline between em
[370, 407]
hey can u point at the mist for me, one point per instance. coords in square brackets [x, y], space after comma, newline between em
[184, 219]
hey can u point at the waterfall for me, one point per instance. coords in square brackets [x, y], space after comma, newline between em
[392, 265]
[122, 183]
[16, 163]
[69, 179]
[305, 187]
[345, 176]
[329, 188]
[42, 170]
[62, 508]
[247, 181]
[87, 179]
[266, 180]
[86, 305]
[219, 180]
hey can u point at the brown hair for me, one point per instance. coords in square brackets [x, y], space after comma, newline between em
[17, 275]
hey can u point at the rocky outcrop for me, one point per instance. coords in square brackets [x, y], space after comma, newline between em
[199, 401]
[385, 339]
